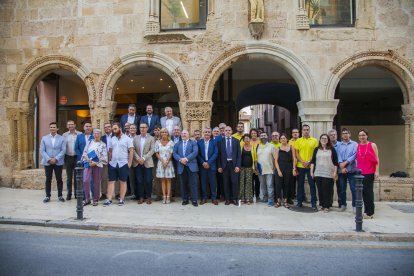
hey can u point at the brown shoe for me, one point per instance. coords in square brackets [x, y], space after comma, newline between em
[215, 202]
[203, 201]
[149, 201]
[140, 201]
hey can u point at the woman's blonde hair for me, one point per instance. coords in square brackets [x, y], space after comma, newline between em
[165, 130]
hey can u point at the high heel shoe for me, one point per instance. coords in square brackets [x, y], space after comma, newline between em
[164, 200]
[168, 201]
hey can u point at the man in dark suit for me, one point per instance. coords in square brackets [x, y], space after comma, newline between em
[229, 163]
[185, 153]
[131, 117]
[150, 119]
[207, 158]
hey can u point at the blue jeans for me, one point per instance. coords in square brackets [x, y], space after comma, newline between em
[301, 186]
[343, 177]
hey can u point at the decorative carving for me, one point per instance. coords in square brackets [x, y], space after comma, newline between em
[388, 55]
[38, 62]
[91, 80]
[216, 63]
[180, 75]
[198, 111]
[256, 29]
[302, 22]
[167, 38]
[152, 28]
[114, 67]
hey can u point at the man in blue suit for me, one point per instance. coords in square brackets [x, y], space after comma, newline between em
[185, 153]
[229, 163]
[52, 150]
[83, 139]
[151, 120]
[207, 158]
[132, 117]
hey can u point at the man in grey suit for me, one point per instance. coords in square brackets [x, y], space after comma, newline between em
[185, 153]
[143, 150]
[169, 121]
[52, 150]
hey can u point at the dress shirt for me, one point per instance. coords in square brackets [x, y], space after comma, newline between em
[149, 119]
[206, 143]
[347, 152]
[87, 137]
[184, 146]
[228, 150]
[120, 150]
[131, 119]
[176, 139]
[53, 137]
[70, 143]
[169, 124]
[142, 145]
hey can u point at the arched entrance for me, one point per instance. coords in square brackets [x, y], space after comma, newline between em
[51, 88]
[375, 90]
[113, 85]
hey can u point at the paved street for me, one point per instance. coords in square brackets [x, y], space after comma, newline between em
[48, 251]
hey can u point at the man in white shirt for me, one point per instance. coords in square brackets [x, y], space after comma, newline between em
[131, 178]
[121, 153]
[106, 138]
[70, 157]
[265, 164]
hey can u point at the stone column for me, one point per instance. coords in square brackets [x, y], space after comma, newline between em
[302, 20]
[152, 25]
[18, 115]
[103, 114]
[408, 116]
[196, 114]
[318, 115]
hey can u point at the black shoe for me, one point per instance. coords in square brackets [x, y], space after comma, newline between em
[86, 203]
[46, 200]
[227, 202]
[61, 199]
[234, 202]
[195, 204]
[185, 202]
[103, 197]
[290, 201]
[69, 197]
[300, 205]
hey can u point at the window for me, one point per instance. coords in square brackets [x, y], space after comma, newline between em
[330, 12]
[183, 14]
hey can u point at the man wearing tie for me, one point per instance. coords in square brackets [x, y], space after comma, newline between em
[185, 153]
[83, 139]
[207, 157]
[52, 150]
[150, 119]
[229, 164]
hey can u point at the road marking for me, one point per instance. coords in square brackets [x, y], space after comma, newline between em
[183, 240]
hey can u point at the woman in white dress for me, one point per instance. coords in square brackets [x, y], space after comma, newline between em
[165, 169]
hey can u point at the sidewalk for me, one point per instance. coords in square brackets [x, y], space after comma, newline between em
[393, 221]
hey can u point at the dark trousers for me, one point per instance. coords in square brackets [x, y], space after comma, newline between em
[70, 164]
[143, 187]
[301, 186]
[208, 175]
[292, 190]
[338, 193]
[283, 184]
[256, 185]
[231, 182]
[368, 194]
[220, 185]
[188, 182]
[325, 189]
[58, 174]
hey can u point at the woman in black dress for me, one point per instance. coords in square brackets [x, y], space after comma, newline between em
[284, 162]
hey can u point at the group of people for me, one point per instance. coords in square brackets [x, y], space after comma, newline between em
[237, 168]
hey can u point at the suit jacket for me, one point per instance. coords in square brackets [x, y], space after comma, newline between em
[147, 152]
[124, 120]
[155, 120]
[80, 144]
[191, 153]
[235, 153]
[49, 151]
[176, 122]
[212, 153]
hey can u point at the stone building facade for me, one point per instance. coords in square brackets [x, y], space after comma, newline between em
[100, 40]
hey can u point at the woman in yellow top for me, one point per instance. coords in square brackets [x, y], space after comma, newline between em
[248, 153]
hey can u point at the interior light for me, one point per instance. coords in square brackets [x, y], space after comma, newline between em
[143, 87]
[161, 79]
[132, 80]
[184, 10]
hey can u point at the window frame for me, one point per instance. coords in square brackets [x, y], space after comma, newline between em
[351, 25]
[183, 29]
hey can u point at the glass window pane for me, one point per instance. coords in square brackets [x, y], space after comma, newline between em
[183, 14]
[330, 12]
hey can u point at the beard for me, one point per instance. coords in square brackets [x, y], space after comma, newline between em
[117, 133]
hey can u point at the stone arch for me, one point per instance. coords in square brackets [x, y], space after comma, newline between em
[41, 66]
[400, 68]
[154, 59]
[285, 58]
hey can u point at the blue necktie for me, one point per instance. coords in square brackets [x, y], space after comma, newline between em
[228, 148]
[184, 147]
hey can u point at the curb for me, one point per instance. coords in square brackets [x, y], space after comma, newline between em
[216, 233]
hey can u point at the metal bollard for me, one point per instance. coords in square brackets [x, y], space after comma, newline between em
[79, 190]
[358, 201]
